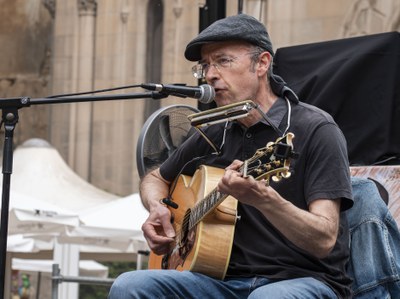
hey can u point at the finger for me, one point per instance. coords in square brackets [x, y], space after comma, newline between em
[160, 244]
[157, 242]
[157, 231]
[234, 165]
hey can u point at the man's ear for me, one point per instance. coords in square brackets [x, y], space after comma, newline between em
[264, 63]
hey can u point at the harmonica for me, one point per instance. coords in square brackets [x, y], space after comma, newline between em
[221, 114]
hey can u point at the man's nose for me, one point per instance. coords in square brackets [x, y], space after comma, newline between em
[212, 72]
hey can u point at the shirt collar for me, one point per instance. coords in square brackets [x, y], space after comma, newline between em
[276, 113]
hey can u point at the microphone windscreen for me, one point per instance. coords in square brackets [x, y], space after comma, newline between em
[207, 94]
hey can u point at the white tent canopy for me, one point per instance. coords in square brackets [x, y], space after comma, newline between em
[28, 214]
[40, 174]
[129, 211]
[44, 188]
[39, 171]
[86, 267]
[113, 225]
[110, 227]
[21, 243]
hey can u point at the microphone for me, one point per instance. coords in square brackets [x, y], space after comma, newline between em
[204, 93]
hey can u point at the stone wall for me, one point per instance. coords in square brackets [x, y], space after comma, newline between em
[25, 61]
[53, 47]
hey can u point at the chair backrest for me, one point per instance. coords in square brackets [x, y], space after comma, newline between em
[389, 177]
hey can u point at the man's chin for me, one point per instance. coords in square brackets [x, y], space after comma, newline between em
[222, 102]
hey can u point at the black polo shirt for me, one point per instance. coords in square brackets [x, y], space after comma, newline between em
[321, 170]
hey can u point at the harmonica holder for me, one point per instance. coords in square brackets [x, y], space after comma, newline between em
[221, 114]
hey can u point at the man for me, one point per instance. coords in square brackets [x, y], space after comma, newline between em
[290, 239]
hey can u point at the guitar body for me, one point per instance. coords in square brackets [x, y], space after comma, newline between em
[205, 247]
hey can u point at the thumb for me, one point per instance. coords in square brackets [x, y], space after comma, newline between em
[167, 227]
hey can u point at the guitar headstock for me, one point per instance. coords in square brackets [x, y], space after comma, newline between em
[271, 161]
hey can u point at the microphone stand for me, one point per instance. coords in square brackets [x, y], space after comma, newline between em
[10, 118]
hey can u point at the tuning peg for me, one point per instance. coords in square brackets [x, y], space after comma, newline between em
[286, 174]
[276, 178]
[267, 167]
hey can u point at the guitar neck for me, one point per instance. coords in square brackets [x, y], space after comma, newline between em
[205, 206]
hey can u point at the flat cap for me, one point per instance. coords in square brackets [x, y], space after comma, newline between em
[239, 27]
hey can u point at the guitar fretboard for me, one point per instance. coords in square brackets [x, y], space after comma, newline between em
[204, 206]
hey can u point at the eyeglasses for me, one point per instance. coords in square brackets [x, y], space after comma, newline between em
[200, 70]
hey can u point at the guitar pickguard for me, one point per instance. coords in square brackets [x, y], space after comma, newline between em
[177, 257]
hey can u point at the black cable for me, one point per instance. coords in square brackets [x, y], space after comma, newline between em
[93, 91]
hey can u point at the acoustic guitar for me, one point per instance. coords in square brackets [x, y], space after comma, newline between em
[204, 220]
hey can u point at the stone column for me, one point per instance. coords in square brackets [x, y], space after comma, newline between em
[81, 113]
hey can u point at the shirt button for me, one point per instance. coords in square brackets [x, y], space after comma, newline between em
[248, 135]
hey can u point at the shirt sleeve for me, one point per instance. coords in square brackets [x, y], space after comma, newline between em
[327, 167]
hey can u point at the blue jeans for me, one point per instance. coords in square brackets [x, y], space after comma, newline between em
[174, 284]
[374, 244]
